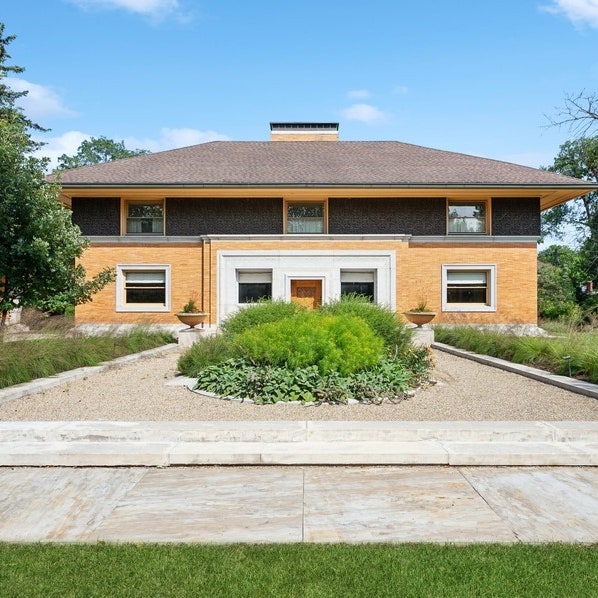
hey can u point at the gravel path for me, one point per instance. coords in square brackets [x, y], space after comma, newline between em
[146, 391]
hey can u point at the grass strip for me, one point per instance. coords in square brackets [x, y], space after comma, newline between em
[580, 349]
[26, 360]
[297, 570]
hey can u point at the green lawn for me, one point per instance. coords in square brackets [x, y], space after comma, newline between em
[30, 570]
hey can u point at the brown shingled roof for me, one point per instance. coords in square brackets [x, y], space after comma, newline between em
[311, 163]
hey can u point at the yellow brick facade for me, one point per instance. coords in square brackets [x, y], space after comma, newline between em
[419, 271]
[194, 267]
[186, 262]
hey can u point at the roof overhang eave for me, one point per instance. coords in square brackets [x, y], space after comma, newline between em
[550, 195]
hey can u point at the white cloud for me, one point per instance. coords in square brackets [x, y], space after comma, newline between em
[580, 12]
[365, 113]
[40, 101]
[359, 94]
[150, 8]
[68, 144]
[174, 138]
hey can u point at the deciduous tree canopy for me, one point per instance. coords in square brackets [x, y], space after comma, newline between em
[95, 151]
[39, 244]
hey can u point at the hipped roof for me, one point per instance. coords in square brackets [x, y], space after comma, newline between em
[320, 164]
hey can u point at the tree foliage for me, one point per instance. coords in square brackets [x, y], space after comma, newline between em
[39, 245]
[560, 274]
[578, 158]
[96, 151]
[9, 96]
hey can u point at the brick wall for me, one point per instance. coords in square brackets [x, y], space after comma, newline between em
[421, 216]
[419, 271]
[97, 215]
[186, 276]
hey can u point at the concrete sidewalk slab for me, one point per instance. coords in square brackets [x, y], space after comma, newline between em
[299, 504]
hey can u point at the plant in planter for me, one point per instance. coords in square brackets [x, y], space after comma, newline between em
[420, 314]
[191, 315]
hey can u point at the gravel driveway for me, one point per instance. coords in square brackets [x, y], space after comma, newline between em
[147, 390]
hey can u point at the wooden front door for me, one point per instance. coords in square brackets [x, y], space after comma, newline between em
[306, 292]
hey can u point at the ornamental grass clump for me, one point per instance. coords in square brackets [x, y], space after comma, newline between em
[574, 354]
[209, 350]
[344, 344]
[25, 360]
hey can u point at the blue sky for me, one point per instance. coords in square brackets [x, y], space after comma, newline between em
[473, 76]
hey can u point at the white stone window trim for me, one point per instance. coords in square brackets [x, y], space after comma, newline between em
[307, 264]
[122, 306]
[490, 269]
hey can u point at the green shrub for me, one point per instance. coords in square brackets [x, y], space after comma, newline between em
[344, 344]
[258, 313]
[209, 350]
[382, 320]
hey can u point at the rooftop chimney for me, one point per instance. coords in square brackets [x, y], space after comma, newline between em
[303, 131]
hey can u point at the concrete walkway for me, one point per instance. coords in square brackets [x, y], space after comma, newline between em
[427, 500]
[299, 504]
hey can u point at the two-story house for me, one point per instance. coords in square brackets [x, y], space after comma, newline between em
[306, 217]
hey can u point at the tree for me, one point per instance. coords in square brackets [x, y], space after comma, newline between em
[8, 96]
[580, 113]
[39, 245]
[560, 277]
[96, 151]
[578, 158]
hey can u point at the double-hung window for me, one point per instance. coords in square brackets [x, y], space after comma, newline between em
[143, 288]
[144, 217]
[467, 218]
[305, 217]
[469, 288]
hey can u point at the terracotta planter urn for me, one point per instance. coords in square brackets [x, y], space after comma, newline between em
[419, 318]
[192, 319]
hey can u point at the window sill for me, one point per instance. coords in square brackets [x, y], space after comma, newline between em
[142, 309]
[473, 307]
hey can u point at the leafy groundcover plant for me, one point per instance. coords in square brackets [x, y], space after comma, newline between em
[348, 350]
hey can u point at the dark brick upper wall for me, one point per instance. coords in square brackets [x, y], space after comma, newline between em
[415, 216]
[387, 216]
[97, 215]
[224, 216]
[516, 216]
